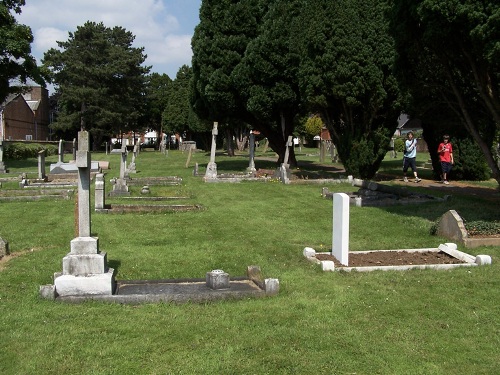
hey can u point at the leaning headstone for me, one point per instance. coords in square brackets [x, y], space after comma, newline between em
[85, 269]
[4, 248]
[2, 165]
[340, 238]
[41, 165]
[211, 171]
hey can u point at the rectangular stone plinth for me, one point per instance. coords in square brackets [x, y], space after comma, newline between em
[84, 245]
[85, 264]
[70, 285]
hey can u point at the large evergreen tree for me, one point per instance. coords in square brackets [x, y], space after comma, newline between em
[16, 61]
[450, 61]
[266, 77]
[101, 80]
[346, 77]
[219, 43]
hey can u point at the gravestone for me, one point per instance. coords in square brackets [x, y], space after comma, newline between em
[131, 167]
[4, 248]
[2, 165]
[41, 165]
[251, 166]
[211, 171]
[99, 201]
[120, 187]
[340, 238]
[61, 151]
[74, 148]
[85, 269]
[284, 172]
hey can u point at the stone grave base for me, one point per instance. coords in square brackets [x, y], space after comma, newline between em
[99, 284]
[462, 260]
[178, 290]
[161, 181]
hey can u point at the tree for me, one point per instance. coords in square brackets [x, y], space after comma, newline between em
[449, 60]
[219, 43]
[16, 61]
[346, 77]
[266, 77]
[101, 80]
[158, 87]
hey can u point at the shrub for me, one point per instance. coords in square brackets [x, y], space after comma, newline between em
[21, 150]
[470, 163]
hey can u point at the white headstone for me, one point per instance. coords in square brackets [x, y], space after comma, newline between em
[340, 240]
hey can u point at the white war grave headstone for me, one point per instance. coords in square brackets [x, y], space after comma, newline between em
[85, 269]
[340, 235]
[211, 171]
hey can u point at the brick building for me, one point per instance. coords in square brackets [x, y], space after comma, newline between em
[25, 116]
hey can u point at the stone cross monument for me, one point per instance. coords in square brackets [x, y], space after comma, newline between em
[85, 269]
[212, 166]
[284, 170]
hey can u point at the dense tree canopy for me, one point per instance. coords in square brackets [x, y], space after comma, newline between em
[16, 62]
[339, 66]
[101, 80]
[346, 77]
[450, 61]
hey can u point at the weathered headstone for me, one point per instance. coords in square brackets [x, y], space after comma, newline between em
[4, 248]
[131, 167]
[41, 165]
[340, 238]
[211, 171]
[74, 148]
[2, 165]
[61, 151]
[251, 165]
[100, 200]
[120, 187]
[284, 172]
[85, 269]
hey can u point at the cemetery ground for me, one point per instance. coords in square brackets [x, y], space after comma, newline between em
[410, 322]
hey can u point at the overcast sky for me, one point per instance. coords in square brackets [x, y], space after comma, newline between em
[163, 27]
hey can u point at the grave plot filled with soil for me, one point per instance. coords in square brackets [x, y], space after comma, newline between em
[393, 258]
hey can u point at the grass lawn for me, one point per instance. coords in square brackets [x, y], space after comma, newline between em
[411, 322]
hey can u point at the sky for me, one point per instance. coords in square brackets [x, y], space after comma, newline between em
[163, 27]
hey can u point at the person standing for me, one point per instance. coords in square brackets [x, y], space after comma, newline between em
[445, 151]
[410, 157]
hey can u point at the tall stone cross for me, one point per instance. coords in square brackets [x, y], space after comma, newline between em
[215, 132]
[83, 162]
[251, 144]
[211, 171]
[123, 164]
[289, 143]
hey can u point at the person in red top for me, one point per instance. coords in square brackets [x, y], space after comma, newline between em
[445, 151]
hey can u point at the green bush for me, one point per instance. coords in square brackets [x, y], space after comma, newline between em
[470, 163]
[399, 144]
[21, 150]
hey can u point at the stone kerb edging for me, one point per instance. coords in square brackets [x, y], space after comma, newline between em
[449, 248]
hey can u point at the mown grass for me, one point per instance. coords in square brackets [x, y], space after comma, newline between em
[413, 322]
